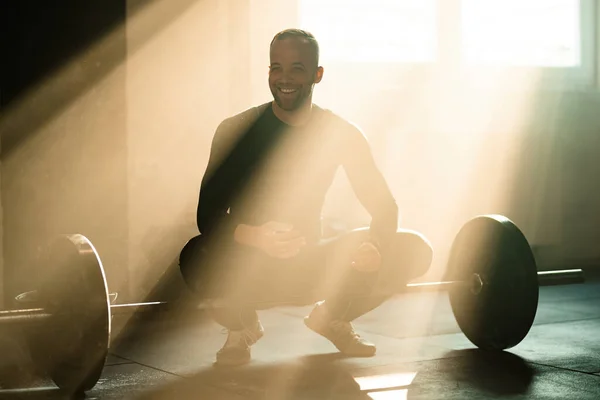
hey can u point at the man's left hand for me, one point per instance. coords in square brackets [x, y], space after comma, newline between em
[366, 258]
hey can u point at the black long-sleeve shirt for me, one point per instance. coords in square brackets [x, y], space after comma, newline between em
[261, 169]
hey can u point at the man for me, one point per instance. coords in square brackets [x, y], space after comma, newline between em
[259, 215]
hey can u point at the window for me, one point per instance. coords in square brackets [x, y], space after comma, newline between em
[374, 31]
[543, 33]
[555, 39]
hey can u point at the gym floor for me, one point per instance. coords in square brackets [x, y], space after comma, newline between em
[421, 355]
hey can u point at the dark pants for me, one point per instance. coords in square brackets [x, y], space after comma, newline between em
[246, 279]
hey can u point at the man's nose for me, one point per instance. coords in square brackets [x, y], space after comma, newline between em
[286, 76]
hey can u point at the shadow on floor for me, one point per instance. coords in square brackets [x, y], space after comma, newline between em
[318, 375]
[464, 373]
[493, 373]
[325, 376]
[41, 393]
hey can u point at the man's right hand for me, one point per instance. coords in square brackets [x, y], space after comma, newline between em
[276, 239]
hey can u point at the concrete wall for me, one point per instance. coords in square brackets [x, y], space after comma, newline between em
[64, 144]
[187, 70]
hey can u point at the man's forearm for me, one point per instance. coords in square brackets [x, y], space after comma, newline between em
[371, 188]
[384, 225]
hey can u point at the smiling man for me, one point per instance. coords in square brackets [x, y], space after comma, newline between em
[259, 215]
[293, 73]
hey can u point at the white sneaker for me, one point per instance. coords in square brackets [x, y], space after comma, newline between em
[236, 350]
[340, 333]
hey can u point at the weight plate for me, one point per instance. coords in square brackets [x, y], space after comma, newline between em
[498, 314]
[77, 337]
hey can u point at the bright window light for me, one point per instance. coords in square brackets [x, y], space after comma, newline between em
[535, 33]
[373, 31]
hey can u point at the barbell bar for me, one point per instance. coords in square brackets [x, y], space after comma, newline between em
[38, 315]
[33, 315]
[493, 289]
[545, 278]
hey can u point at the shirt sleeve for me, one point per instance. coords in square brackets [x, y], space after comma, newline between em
[370, 186]
[216, 192]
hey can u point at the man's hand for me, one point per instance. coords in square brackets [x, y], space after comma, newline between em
[276, 239]
[366, 258]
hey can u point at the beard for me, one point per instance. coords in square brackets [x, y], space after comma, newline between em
[290, 104]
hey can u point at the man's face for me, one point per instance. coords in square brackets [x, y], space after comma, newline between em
[292, 73]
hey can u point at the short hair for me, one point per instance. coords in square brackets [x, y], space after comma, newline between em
[300, 34]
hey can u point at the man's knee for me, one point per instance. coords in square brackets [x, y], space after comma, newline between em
[411, 252]
[423, 251]
[207, 266]
[190, 259]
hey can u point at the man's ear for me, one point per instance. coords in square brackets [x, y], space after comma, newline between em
[319, 74]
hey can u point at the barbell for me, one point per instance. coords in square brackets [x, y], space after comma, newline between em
[492, 280]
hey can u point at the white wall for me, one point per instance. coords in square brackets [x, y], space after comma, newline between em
[186, 71]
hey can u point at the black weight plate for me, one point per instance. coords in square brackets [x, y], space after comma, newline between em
[501, 314]
[74, 290]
